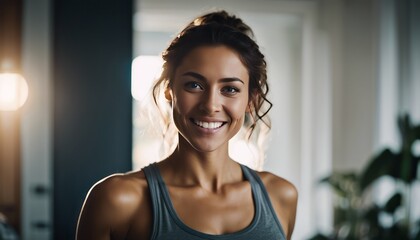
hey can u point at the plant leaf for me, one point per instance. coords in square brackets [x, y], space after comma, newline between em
[398, 231]
[416, 130]
[407, 137]
[372, 216]
[393, 203]
[337, 182]
[418, 230]
[336, 187]
[415, 160]
[404, 125]
[381, 165]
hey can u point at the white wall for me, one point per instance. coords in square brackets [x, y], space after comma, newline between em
[36, 126]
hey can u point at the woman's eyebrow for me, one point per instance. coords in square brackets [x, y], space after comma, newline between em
[194, 75]
[231, 79]
[202, 78]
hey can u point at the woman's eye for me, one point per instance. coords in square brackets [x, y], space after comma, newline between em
[193, 85]
[230, 90]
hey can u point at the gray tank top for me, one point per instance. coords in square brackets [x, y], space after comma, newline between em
[167, 225]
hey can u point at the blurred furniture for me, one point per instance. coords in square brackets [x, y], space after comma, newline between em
[6, 231]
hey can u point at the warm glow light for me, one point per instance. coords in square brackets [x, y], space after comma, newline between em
[13, 91]
[144, 71]
[245, 153]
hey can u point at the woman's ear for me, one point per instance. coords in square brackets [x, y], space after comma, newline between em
[168, 94]
[251, 101]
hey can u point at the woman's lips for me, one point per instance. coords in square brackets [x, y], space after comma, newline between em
[208, 125]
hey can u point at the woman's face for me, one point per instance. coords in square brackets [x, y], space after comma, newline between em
[209, 95]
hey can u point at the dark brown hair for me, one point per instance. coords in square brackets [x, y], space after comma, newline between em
[220, 28]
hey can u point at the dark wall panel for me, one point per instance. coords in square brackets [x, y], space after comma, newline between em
[92, 56]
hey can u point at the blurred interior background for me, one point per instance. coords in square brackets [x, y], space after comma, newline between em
[340, 74]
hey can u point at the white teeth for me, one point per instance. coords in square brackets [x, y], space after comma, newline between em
[208, 125]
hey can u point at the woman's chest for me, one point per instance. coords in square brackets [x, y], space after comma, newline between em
[213, 213]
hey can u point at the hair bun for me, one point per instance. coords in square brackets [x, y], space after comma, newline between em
[223, 18]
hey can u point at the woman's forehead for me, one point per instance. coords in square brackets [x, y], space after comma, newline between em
[218, 59]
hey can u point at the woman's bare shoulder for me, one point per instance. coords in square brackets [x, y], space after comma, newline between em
[284, 196]
[111, 205]
[122, 183]
[280, 187]
[120, 190]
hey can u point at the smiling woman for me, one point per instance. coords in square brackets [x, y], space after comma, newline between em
[208, 97]
[215, 84]
[155, 140]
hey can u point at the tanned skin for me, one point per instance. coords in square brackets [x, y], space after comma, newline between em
[119, 207]
[207, 188]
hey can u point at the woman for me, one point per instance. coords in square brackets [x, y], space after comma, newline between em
[214, 80]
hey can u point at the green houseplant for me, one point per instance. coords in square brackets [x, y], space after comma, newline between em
[356, 219]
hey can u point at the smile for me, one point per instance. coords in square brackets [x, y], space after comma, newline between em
[208, 125]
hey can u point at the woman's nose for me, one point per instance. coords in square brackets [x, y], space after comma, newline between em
[210, 102]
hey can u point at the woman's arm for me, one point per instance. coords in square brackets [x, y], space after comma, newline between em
[94, 222]
[108, 209]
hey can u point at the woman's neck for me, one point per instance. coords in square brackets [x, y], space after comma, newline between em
[209, 170]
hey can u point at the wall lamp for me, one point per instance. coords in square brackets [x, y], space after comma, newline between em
[13, 91]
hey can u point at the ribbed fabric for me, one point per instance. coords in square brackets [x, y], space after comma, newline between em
[168, 226]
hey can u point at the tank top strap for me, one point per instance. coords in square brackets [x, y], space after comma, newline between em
[267, 206]
[249, 175]
[152, 178]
